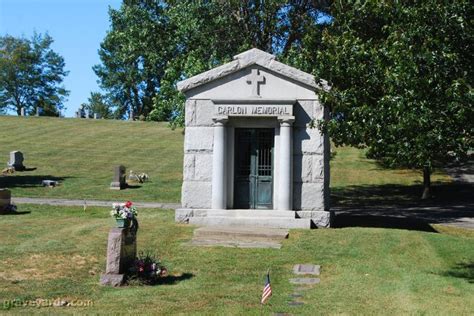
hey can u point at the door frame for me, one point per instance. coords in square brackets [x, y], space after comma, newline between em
[249, 122]
[257, 183]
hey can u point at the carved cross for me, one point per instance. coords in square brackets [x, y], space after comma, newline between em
[255, 80]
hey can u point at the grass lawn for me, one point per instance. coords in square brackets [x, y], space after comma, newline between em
[56, 252]
[350, 167]
[82, 154]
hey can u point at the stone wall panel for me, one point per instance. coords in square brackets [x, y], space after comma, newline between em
[196, 194]
[307, 141]
[203, 171]
[198, 139]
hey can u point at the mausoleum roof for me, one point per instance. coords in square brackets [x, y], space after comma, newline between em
[243, 60]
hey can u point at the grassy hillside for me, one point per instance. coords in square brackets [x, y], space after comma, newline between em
[82, 153]
[59, 252]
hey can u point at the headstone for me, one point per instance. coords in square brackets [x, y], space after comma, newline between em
[16, 160]
[96, 116]
[22, 111]
[5, 199]
[37, 111]
[119, 182]
[306, 269]
[121, 253]
[81, 112]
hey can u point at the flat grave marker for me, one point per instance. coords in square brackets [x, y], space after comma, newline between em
[306, 269]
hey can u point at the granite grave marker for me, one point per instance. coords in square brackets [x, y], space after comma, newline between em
[119, 182]
[16, 160]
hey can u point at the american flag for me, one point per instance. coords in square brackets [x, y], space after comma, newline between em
[267, 289]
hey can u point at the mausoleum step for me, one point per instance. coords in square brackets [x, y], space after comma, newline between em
[272, 222]
[244, 213]
[260, 233]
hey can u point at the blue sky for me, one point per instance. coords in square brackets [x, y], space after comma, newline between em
[77, 27]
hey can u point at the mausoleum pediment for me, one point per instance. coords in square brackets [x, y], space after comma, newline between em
[252, 74]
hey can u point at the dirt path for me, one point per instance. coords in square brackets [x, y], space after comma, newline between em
[463, 173]
[68, 202]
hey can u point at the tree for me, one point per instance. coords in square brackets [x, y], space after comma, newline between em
[401, 75]
[208, 34]
[154, 44]
[134, 54]
[31, 74]
[98, 104]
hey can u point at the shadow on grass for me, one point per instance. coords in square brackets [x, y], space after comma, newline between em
[173, 279]
[402, 195]
[399, 206]
[16, 213]
[27, 181]
[168, 280]
[347, 220]
[26, 169]
[133, 186]
[463, 271]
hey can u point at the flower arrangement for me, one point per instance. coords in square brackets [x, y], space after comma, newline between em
[147, 269]
[123, 211]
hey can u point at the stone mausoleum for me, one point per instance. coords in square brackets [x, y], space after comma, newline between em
[251, 157]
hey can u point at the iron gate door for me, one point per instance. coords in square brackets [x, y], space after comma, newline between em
[253, 168]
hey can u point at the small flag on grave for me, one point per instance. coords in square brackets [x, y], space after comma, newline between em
[267, 289]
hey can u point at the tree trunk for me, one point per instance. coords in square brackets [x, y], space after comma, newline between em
[426, 183]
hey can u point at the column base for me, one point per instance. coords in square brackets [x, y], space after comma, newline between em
[320, 219]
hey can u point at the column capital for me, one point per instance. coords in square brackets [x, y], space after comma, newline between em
[286, 120]
[220, 120]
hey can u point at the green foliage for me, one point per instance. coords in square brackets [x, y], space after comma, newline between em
[153, 45]
[401, 75]
[99, 103]
[31, 74]
[134, 55]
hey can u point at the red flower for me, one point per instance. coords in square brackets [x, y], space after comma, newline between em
[128, 204]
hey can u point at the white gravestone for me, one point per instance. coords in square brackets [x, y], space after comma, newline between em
[16, 160]
[250, 156]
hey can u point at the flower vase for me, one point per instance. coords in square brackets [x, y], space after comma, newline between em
[123, 222]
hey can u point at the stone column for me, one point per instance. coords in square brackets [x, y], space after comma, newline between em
[218, 165]
[286, 164]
